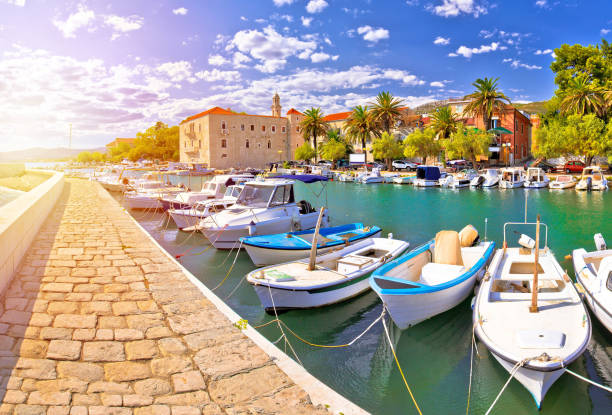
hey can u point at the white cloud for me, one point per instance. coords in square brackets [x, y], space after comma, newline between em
[270, 47]
[373, 34]
[217, 60]
[177, 71]
[441, 40]
[244, 19]
[541, 3]
[181, 10]
[19, 3]
[437, 84]
[604, 32]
[452, 8]
[279, 3]
[467, 52]
[217, 75]
[321, 57]
[239, 59]
[124, 24]
[543, 52]
[400, 75]
[316, 6]
[83, 17]
[306, 21]
[515, 63]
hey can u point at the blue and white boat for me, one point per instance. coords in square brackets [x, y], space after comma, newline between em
[432, 278]
[291, 246]
[427, 176]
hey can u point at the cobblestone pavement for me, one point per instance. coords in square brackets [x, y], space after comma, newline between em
[99, 321]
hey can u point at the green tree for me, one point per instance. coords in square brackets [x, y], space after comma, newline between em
[422, 143]
[444, 122]
[386, 110]
[387, 148]
[84, 157]
[360, 127]
[485, 100]
[468, 144]
[333, 150]
[119, 152]
[98, 157]
[594, 63]
[305, 152]
[313, 125]
[582, 97]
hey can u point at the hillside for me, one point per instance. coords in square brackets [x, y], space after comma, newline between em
[39, 153]
[536, 107]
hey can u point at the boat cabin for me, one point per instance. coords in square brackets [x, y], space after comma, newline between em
[216, 187]
[535, 174]
[512, 175]
[594, 172]
[269, 193]
[428, 173]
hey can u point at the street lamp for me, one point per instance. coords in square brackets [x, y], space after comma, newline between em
[507, 145]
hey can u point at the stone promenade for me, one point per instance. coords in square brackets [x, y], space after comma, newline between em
[99, 321]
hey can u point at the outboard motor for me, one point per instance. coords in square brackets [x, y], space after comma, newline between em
[600, 242]
[526, 242]
[589, 181]
[479, 181]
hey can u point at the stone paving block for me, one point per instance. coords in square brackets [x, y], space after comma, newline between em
[171, 346]
[24, 409]
[185, 410]
[63, 307]
[14, 396]
[111, 400]
[158, 332]
[141, 349]
[126, 371]
[36, 349]
[169, 365]
[231, 358]
[200, 321]
[75, 321]
[58, 410]
[49, 398]
[16, 317]
[57, 287]
[152, 387]
[61, 385]
[188, 381]
[103, 351]
[99, 308]
[87, 372]
[79, 410]
[84, 334]
[194, 399]
[103, 410]
[104, 334]
[111, 322]
[128, 334]
[64, 350]
[55, 333]
[246, 386]
[153, 410]
[137, 400]
[122, 308]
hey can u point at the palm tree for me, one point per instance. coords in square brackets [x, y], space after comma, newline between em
[386, 110]
[485, 100]
[360, 126]
[444, 122]
[313, 125]
[582, 97]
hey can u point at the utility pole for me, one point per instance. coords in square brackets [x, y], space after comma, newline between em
[70, 138]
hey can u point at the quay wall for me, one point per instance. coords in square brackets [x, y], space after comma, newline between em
[11, 169]
[20, 221]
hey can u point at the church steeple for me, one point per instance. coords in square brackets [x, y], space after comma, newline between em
[276, 106]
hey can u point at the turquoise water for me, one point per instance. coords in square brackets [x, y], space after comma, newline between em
[435, 355]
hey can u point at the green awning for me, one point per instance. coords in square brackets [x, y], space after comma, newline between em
[500, 130]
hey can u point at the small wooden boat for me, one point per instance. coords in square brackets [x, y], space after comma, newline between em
[511, 178]
[563, 181]
[291, 246]
[336, 276]
[529, 315]
[403, 179]
[432, 278]
[536, 178]
[592, 179]
[594, 274]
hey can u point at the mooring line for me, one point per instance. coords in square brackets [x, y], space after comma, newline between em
[230, 268]
[604, 387]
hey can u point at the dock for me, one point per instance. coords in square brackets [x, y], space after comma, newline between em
[98, 319]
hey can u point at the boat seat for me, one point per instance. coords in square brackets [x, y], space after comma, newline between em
[540, 339]
[447, 248]
[436, 274]
[468, 236]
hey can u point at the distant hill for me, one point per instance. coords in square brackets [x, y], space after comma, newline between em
[536, 107]
[39, 153]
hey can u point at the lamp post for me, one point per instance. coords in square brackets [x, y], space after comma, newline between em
[507, 146]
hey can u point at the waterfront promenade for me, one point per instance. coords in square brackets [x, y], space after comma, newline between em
[98, 320]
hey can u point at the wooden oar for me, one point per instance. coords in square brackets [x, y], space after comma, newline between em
[534, 290]
[313, 248]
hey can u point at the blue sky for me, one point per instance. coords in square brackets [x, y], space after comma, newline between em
[113, 68]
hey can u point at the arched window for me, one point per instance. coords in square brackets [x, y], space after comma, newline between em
[269, 144]
[224, 143]
[247, 143]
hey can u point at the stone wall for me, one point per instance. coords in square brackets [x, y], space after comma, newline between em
[20, 221]
[11, 169]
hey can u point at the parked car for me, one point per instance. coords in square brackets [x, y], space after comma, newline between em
[325, 163]
[573, 166]
[400, 165]
[375, 165]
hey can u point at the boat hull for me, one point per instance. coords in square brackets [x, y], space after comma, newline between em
[591, 283]
[536, 185]
[139, 202]
[284, 299]
[426, 183]
[555, 185]
[535, 381]
[183, 220]
[510, 185]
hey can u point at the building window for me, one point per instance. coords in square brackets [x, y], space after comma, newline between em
[516, 125]
[283, 129]
[297, 128]
[224, 143]
[223, 125]
[263, 128]
[247, 143]
[223, 155]
[241, 127]
[269, 144]
[274, 128]
[252, 127]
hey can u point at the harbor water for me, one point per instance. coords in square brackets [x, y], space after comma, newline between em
[434, 355]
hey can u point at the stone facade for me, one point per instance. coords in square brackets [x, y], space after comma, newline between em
[223, 139]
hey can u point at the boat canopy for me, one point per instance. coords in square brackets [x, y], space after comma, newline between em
[428, 172]
[305, 178]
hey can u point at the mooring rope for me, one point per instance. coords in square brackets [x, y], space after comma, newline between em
[472, 347]
[400, 368]
[283, 335]
[606, 388]
[230, 268]
[515, 369]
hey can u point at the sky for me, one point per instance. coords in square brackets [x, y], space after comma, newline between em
[113, 68]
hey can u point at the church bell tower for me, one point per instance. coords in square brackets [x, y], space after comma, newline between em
[276, 106]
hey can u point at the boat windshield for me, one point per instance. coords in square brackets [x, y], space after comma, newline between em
[232, 191]
[254, 195]
[564, 179]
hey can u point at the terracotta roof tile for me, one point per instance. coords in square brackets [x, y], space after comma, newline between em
[294, 111]
[337, 116]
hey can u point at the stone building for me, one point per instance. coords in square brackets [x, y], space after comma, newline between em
[222, 138]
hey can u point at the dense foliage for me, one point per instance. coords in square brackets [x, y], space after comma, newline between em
[305, 152]
[313, 125]
[422, 143]
[387, 148]
[468, 144]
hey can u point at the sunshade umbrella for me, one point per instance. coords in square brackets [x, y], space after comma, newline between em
[500, 130]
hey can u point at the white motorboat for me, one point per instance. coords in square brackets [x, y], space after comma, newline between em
[213, 189]
[264, 207]
[594, 274]
[403, 179]
[536, 178]
[335, 277]
[389, 177]
[533, 335]
[149, 199]
[185, 218]
[592, 179]
[563, 181]
[511, 178]
[372, 177]
[346, 177]
[427, 176]
[490, 178]
[432, 278]
[461, 179]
